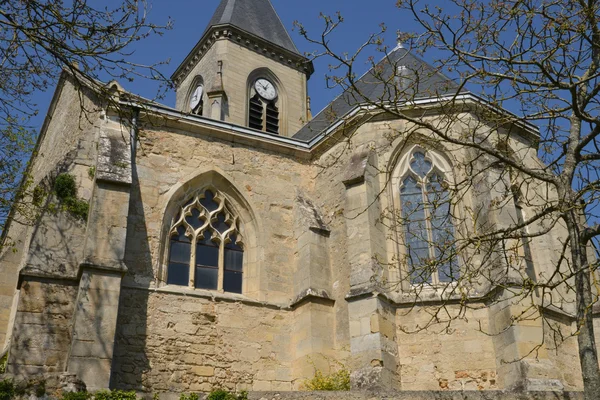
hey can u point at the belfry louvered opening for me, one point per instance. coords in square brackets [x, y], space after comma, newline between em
[263, 115]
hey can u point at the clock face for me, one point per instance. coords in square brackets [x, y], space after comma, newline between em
[196, 97]
[265, 89]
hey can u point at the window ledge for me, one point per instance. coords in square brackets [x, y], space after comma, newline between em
[208, 294]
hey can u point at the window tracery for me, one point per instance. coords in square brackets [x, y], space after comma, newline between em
[426, 219]
[206, 248]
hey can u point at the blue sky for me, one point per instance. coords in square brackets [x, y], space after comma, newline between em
[191, 18]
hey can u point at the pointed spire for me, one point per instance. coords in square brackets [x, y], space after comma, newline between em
[257, 17]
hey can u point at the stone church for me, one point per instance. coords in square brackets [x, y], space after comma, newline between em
[235, 240]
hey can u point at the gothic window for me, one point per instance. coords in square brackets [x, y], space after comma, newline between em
[263, 111]
[427, 226]
[525, 247]
[206, 249]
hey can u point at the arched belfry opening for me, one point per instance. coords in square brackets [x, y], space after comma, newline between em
[266, 101]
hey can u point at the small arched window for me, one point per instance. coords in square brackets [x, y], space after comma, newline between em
[206, 249]
[426, 219]
[263, 108]
[196, 97]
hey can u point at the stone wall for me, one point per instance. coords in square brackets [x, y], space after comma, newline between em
[66, 144]
[171, 342]
[418, 395]
[446, 356]
[170, 164]
[42, 336]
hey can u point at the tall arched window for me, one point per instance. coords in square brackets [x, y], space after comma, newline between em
[206, 249]
[427, 227]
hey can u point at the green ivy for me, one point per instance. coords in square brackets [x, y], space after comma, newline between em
[65, 186]
[66, 191]
[220, 394]
[7, 390]
[115, 395]
[3, 363]
[76, 396]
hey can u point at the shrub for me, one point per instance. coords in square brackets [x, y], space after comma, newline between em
[65, 186]
[7, 390]
[221, 394]
[115, 395]
[66, 191]
[3, 363]
[78, 208]
[76, 396]
[191, 396]
[339, 380]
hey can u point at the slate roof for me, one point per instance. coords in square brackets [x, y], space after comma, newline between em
[377, 85]
[257, 17]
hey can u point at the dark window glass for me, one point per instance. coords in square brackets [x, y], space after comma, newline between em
[220, 223]
[179, 274]
[415, 230]
[232, 282]
[234, 260]
[207, 256]
[180, 236]
[207, 278]
[195, 220]
[442, 230]
[180, 252]
[209, 201]
[179, 260]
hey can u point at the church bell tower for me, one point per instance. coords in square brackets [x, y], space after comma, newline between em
[246, 70]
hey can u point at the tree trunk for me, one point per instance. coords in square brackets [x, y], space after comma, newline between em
[588, 352]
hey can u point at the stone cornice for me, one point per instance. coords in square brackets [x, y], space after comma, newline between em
[247, 40]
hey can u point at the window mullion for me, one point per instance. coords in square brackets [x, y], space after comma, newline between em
[193, 261]
[221, 275]
[429, 228]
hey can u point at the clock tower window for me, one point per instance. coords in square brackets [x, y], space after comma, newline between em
[263, 113]
[196, 98]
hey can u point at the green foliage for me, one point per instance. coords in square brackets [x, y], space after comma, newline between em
[3, 363]
[66, 190]
[221, 394]
[40, 389]
[78, 208]
[191, 396]
[65, 186]
[76, 396]
[336, 381]
[39, 194]
[115, 395]
[92, 172]
[7, 390]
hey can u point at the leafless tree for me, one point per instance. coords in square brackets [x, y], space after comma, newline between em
[540, 59]
[38, 40]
